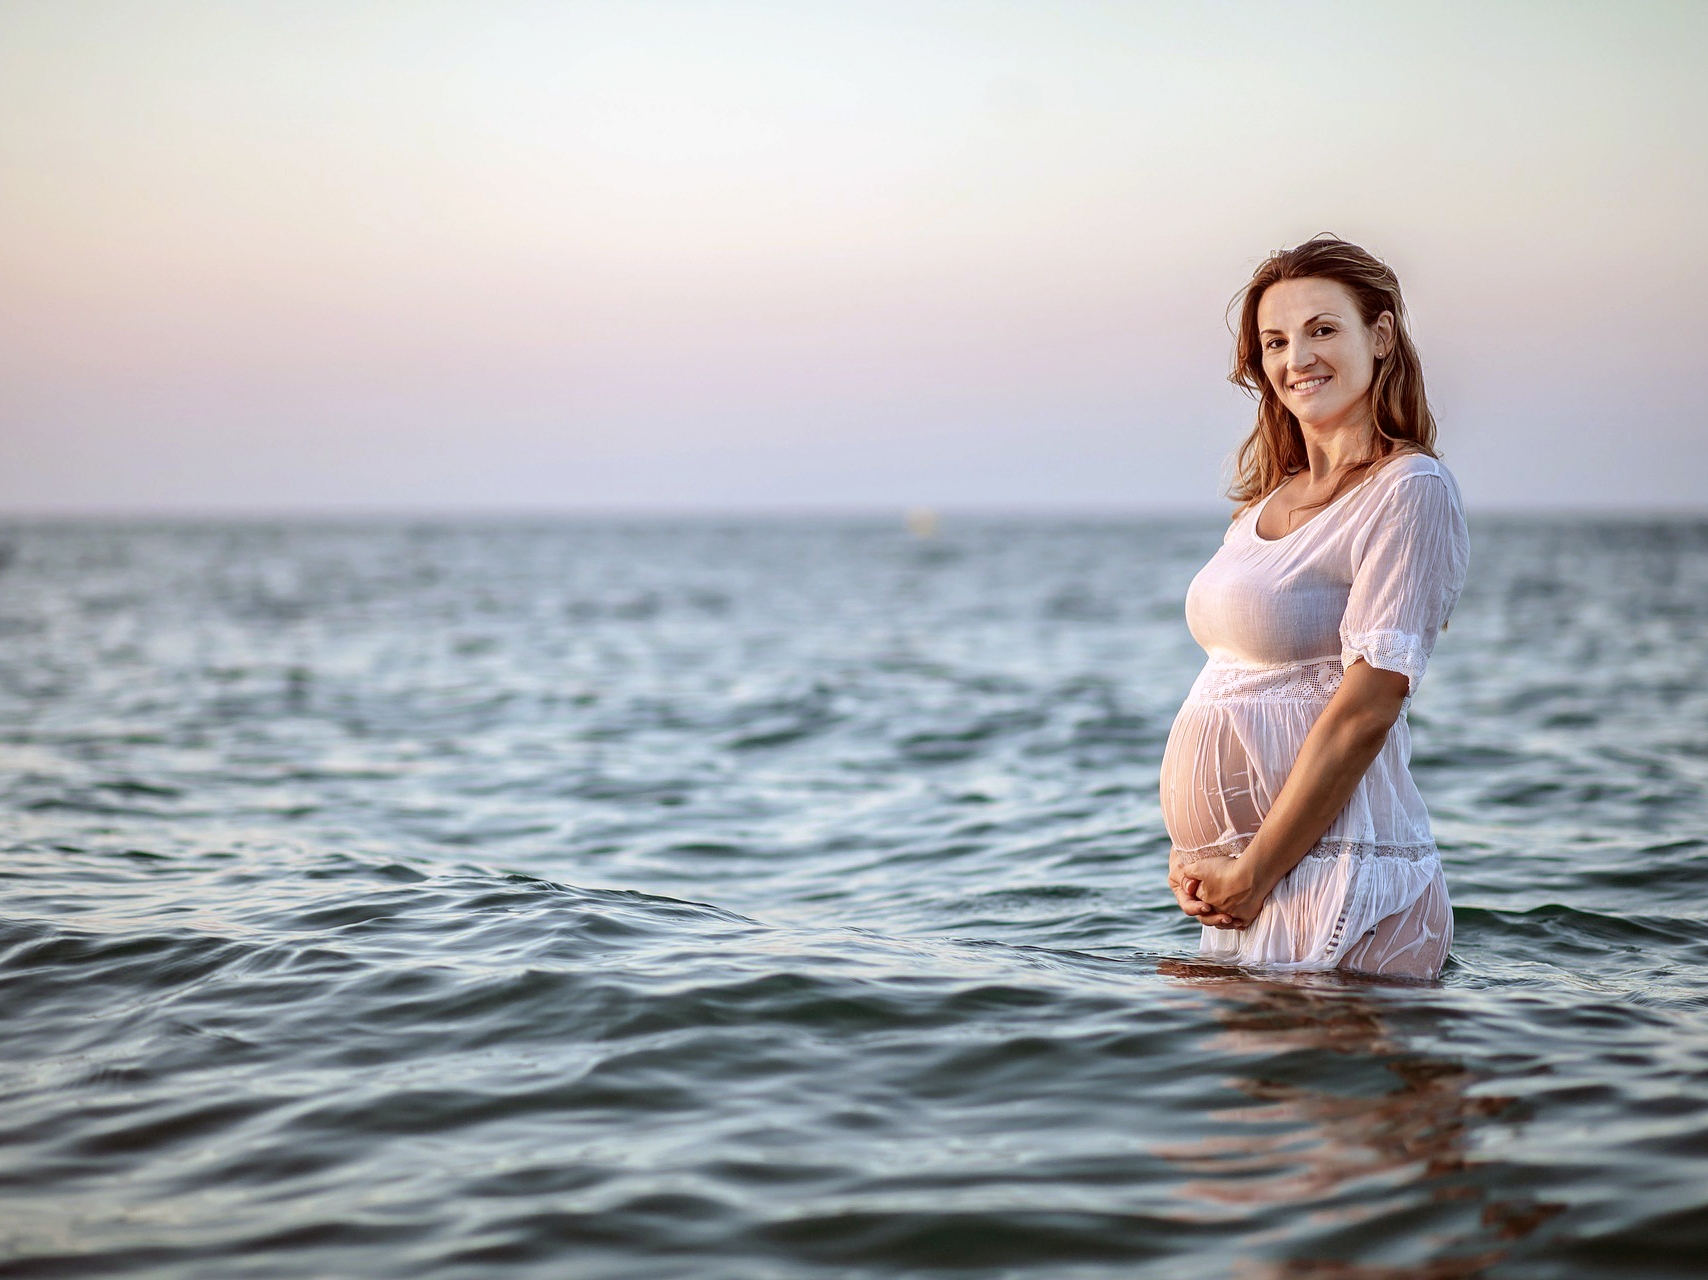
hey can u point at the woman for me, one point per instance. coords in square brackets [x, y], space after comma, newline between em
[1300, 840]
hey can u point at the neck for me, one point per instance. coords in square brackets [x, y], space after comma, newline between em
[1331, 449]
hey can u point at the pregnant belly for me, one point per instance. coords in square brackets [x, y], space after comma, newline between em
[1215, 788]
[1225, 763]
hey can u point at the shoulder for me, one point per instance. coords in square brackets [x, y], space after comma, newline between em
[1244, 518]
[1411, 465]
[1413, 496]
[1413, 479]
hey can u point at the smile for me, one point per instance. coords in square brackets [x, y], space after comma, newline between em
[1309, 384]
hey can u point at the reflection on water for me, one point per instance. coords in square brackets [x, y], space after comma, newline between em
[1343, 1113]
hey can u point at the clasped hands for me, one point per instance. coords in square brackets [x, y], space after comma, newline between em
[1222, 892]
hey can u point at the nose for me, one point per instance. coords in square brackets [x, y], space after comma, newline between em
[1300, 356]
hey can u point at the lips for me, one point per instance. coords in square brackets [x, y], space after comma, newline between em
[1308, 385]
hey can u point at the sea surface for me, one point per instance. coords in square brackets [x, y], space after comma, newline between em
[775, 900]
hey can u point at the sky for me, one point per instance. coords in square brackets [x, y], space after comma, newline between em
[307, 257]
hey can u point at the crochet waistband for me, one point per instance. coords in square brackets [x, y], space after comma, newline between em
[1313, 680]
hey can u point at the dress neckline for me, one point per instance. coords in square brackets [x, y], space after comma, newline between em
[1258, 515]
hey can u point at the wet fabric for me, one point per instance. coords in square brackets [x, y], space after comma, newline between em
[1373, 578]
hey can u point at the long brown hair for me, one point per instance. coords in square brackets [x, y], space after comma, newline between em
[1275, 449]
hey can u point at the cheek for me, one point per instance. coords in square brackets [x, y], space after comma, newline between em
[1359, 370]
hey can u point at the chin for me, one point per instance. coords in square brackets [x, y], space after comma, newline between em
[1315, 415]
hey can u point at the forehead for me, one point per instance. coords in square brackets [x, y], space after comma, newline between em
[1287, 303]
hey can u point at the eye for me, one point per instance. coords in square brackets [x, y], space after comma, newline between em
[1274, 344]
[1322, 330]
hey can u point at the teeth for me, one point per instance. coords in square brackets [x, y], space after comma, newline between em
[1308, 384]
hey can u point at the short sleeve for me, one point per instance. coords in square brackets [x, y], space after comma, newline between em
[1408, 569]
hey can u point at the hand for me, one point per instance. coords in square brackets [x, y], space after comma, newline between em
[1185, 883]
[1230, 886]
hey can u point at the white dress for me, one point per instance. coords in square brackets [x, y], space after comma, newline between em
[1374, 576]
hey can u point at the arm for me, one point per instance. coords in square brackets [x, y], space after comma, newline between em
[1340, 747]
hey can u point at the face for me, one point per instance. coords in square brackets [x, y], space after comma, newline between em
[1318, 353]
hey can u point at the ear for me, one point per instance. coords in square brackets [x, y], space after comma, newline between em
[1383, 333]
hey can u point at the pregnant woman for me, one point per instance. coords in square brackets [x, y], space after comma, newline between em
[1300, 840]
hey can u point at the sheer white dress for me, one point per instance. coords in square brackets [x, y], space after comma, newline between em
[1373, 576]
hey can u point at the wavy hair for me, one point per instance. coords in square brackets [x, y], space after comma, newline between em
[1275, 449]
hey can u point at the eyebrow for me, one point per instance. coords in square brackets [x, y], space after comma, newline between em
[1321, 315]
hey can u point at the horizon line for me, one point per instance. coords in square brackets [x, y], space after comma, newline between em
[898, 513]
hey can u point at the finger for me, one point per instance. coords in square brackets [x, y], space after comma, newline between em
[1205, 906]
[1182, 895]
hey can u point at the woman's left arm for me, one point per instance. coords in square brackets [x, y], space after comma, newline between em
[1340, 747]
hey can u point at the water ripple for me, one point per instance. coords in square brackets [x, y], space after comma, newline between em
[783, 900]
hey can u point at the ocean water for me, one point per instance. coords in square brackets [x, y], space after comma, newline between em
[773, 900]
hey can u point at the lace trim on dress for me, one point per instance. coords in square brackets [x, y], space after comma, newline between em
[1326, 850]
[1313, 680]
[1390, 650]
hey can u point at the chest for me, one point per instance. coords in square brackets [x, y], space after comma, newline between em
[1256, 602]
[1287, 509]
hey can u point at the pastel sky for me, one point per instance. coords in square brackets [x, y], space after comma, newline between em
[341, 257]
